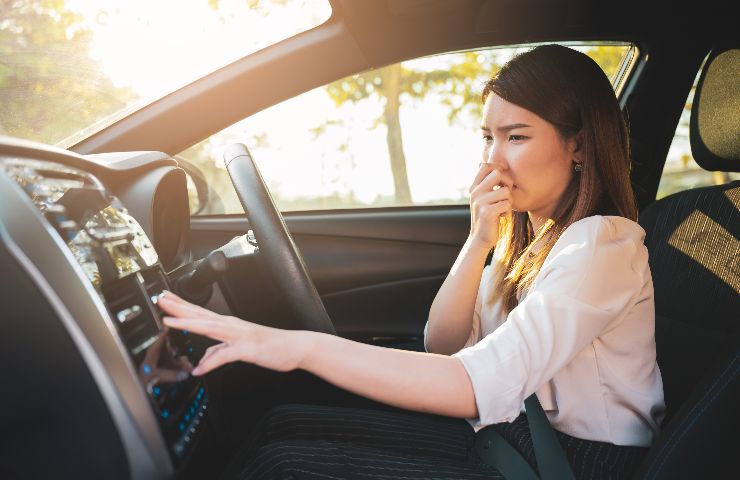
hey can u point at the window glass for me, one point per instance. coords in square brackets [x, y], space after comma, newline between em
[69, 68]
[403, 135]
[681, 171]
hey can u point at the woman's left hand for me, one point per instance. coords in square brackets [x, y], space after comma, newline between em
[244, 341]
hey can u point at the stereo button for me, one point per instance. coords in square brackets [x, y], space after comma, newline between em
[128, 314]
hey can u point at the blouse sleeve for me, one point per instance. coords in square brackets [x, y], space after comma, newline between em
[590, 280]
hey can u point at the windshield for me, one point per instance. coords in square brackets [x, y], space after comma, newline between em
[69, 68]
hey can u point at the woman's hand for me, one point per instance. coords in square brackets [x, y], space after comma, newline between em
[490, 198]
[411, 380]
[267, 347]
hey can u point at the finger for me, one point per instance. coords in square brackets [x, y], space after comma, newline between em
[220, 357]
[493, 196]
[493, 213]
[487, 184]
[170, 376]
[152, 353]
[181, 308]
[501, 201]
[498, 201]
[494, 178]
[172, 298]
[211, 350]
[184, 363]
[211, 328]
[483, 171]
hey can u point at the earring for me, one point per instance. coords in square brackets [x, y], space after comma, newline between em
[578, 167]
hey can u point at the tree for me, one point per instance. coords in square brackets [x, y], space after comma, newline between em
[608, 57]
[50, 88]
[458, 85]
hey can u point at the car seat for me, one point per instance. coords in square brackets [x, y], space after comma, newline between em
[692, 237]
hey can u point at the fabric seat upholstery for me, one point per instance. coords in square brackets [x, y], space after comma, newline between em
[692, 238]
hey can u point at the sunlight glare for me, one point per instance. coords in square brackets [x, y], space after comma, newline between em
[157, 47]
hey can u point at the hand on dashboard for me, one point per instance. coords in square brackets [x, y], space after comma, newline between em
[244, 341]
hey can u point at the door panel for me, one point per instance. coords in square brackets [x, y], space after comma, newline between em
[377, 271]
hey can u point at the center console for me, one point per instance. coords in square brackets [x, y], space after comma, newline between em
[142, 367]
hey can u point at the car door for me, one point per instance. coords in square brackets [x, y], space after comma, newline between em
[377, 272]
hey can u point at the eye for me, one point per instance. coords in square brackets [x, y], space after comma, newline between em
[487, 138]
[517, 138]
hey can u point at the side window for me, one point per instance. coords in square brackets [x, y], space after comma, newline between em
[681, 171]
[403, 135]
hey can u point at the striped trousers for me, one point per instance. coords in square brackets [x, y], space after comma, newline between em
[318, 442]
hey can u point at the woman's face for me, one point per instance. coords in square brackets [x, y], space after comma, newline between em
[535, 162]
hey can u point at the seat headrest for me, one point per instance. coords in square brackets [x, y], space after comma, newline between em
[715, 113]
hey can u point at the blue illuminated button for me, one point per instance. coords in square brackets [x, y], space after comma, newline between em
[165, 413]
[187, 417]
[190, 349]
[181, 426]
[156, 391]
[147, 369]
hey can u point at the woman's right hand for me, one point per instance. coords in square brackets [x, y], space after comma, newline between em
[244, 341]
[490, 198]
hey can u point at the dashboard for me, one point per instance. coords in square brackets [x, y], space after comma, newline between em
[87, 234]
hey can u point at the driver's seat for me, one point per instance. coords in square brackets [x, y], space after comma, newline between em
[692, 237]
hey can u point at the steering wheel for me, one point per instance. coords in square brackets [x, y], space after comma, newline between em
[276, 245]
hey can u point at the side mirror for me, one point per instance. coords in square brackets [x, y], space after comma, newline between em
[202, 198]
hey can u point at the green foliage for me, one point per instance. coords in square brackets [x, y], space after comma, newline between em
[608, 57]
[458, 85]
[50, 88]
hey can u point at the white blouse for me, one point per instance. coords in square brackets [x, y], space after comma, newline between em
[583, 338]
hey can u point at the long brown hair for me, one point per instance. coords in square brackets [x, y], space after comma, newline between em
[570, 91]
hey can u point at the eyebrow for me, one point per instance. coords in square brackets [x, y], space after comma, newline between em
[507, 128]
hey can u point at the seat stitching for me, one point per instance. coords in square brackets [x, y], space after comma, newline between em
[690, 420]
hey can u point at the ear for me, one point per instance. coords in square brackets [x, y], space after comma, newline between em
[575, 145]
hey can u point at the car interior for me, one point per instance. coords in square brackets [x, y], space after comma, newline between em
[96, 387]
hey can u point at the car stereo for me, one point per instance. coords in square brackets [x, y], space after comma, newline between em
[122, 266]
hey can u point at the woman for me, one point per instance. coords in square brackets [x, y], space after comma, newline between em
[564, 311]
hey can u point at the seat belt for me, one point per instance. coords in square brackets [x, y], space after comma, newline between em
[552, 464]
[496, 452]
[551, 460]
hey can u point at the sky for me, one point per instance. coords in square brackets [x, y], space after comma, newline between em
[155, 46]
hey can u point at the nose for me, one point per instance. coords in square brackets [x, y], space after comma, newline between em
[495, 157]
